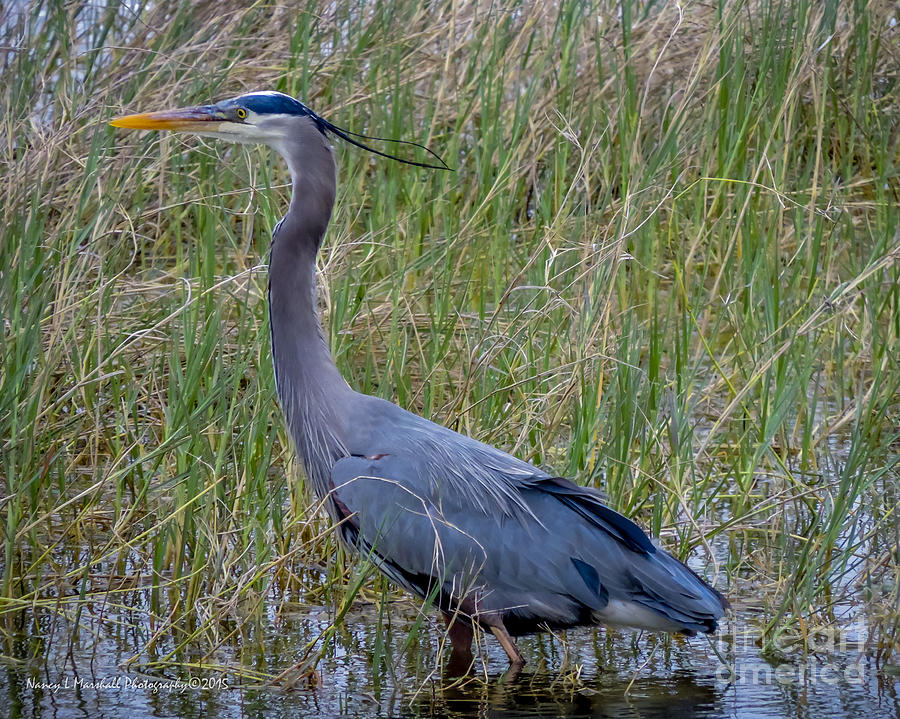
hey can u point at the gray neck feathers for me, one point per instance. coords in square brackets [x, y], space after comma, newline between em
[313, 395]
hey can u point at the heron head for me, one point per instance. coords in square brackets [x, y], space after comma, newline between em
[257, 117]
[268, 118]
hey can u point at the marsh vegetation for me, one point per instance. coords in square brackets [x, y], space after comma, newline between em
[666, 265]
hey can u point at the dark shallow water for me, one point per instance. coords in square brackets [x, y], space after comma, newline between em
[589, 673]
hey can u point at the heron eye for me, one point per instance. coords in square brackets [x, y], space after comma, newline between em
[241, 113]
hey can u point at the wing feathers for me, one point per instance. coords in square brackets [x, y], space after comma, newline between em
[560, 561]
[588, 504]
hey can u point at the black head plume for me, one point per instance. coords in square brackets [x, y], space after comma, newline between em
[345, 135]
[270, 102]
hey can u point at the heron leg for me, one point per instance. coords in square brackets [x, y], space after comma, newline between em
[461, 634]
[516, 661]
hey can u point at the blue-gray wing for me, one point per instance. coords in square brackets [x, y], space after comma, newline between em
[402, 528]
[438, 462]
[437, 547]
[567, 559]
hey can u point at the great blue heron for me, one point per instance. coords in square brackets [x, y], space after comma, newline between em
[491, 539]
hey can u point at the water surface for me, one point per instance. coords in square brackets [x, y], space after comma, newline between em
[584, 673]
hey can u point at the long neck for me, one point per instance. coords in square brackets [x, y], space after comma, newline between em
[312, 392]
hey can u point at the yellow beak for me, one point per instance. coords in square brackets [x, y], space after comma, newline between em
[201, 119]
